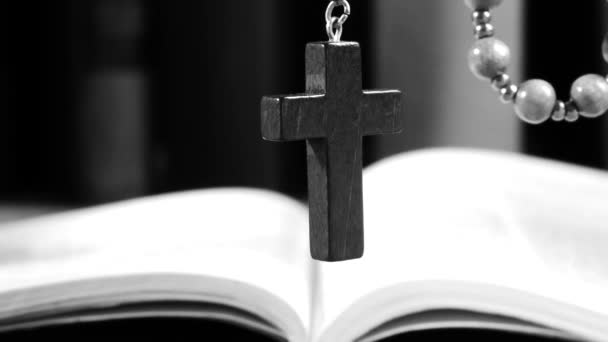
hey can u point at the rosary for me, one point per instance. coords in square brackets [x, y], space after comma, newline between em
[534, 101]
[335, 113]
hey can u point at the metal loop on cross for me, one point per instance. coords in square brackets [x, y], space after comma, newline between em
[335, 25]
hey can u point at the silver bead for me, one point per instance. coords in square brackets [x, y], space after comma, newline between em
[572, 114]
[482, 4]
[488, 58]
[484, 31]
[481, 17]
[501, 81]
[508, 93]
[535, 101]
[559, 111]
[590, 93]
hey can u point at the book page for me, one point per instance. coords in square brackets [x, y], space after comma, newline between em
[478, 231]
[454, 319]
[238, 247]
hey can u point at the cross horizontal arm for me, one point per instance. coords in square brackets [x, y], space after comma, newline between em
[290, 118]
[381, 112]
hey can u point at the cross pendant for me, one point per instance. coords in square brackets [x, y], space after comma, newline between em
[333, 116]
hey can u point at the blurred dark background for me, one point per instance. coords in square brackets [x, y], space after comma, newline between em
[105, 100]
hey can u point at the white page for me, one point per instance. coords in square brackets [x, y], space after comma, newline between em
[514, 233]
[243, 247]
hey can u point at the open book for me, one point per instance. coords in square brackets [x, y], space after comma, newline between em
[454, 239]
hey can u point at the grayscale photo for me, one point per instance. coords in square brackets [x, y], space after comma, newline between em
[304, 171]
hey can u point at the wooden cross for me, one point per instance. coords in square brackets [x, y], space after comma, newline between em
[333, 116]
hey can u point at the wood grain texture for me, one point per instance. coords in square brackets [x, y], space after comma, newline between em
[332, 116]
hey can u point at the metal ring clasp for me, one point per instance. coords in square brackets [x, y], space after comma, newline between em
[334, 25]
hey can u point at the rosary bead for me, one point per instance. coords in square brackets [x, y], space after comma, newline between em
[488, 58]
[508, 93]
[501, 81]
[484, 31]
[535, 101]
[481, 17]
[559, 112]
[590, 93]
[572, 113]
[482, 4]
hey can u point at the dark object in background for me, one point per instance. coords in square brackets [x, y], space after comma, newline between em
[205, 64]
[211, 61]
[7, 122]
[209, 78]
[112, 88]
[75, 104]
[560, 54]
[36, 158]
[96, 95]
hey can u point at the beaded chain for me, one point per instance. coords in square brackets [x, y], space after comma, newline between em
[535, 101]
